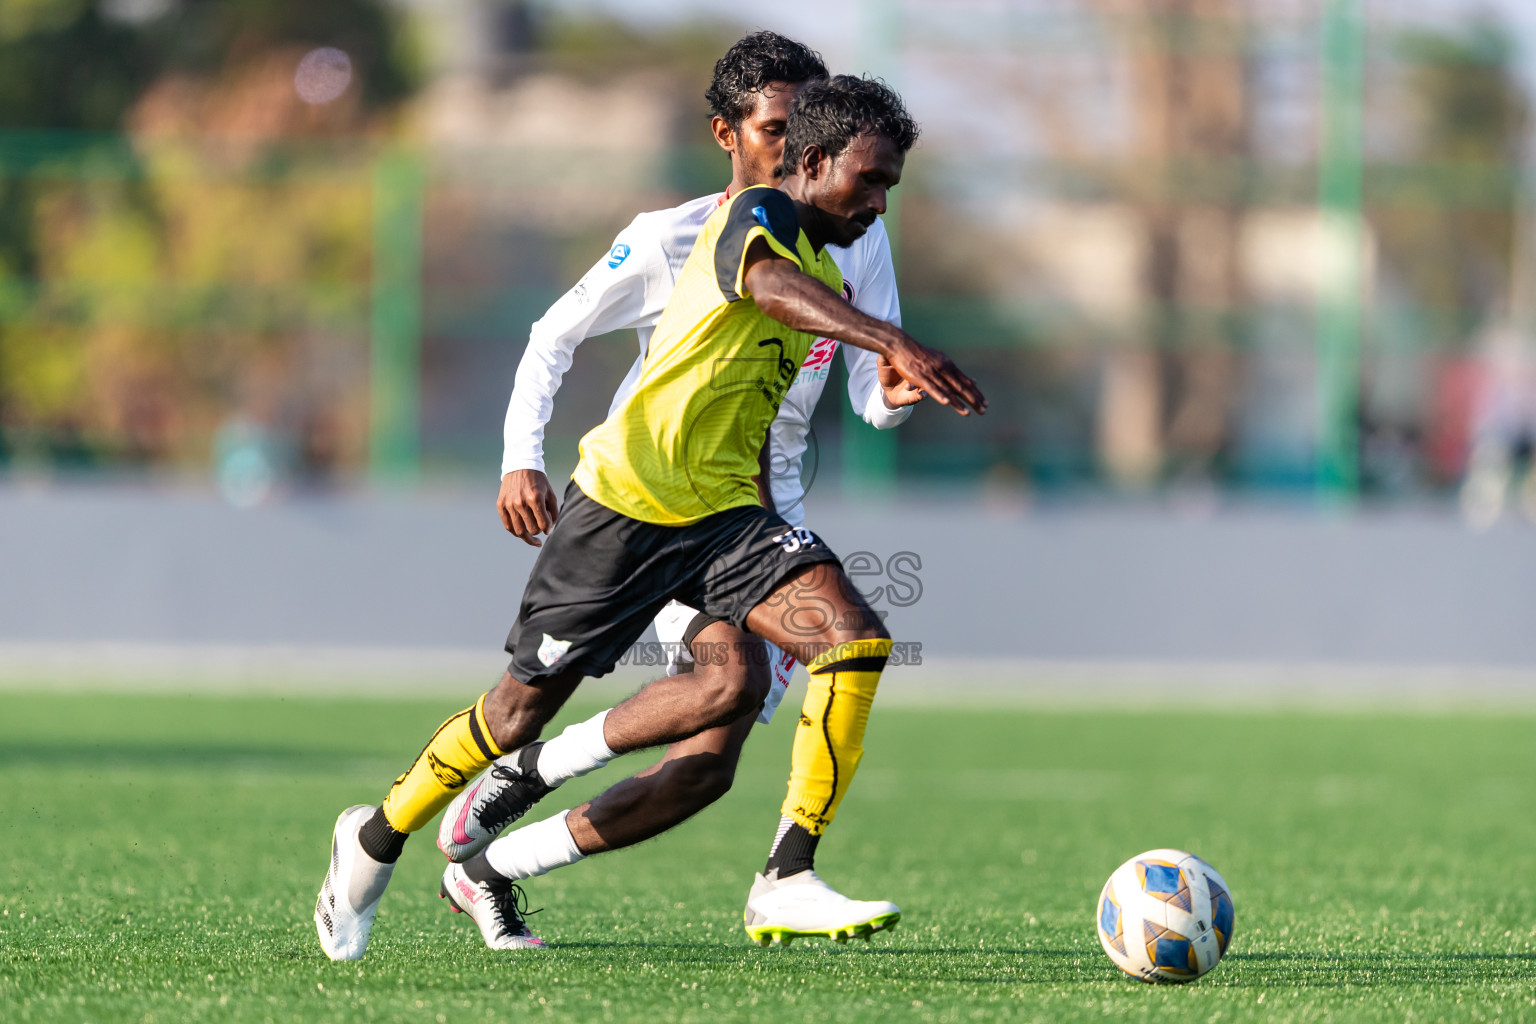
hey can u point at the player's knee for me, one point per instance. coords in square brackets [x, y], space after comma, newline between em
[516, 712]
[863, 625]
[734, 689]
[756, 685]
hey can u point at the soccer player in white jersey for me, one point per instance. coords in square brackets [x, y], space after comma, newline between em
[753, 87]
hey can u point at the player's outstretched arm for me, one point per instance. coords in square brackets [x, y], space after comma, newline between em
[800, 301]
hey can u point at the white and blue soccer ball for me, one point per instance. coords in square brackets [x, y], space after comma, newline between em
[1165, 915]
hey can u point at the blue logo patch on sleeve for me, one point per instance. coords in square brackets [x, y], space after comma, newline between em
[762, 217]
[618, 254]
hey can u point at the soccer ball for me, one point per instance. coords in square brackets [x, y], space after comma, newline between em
[1165, 915]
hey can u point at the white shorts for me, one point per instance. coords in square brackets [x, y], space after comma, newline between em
[672, 624]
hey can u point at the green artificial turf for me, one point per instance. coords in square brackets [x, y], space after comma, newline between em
[160, 857]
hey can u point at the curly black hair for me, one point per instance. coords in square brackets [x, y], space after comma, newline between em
[833, 112]
[752, 64]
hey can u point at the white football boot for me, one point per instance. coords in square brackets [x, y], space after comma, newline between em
[803, 906]
[349, 897]
[496, 907]
[501, 795]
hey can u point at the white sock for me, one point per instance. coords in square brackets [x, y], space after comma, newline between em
[576, 751]
[534, 849]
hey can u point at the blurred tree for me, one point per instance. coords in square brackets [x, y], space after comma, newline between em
[64, 65]
[208, 35]
[1166, 399]
[1450, 232]
[132, 275]
[588, 47]
[80, 65]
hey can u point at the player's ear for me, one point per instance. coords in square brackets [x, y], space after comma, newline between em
[725, 137]
[812, 162]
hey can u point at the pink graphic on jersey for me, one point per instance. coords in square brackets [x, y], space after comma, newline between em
[820, 354]
[784, 669]
[822, 349]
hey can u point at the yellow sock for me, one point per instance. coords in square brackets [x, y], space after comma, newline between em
[830, 740]
[460, 749]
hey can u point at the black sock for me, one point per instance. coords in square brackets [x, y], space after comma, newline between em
[379, 839]
[479, 869]
[794, 851]
[528, 762]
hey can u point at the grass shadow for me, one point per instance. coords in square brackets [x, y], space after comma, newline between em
[186, 756]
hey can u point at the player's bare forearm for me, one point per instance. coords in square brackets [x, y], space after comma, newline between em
[799, 301]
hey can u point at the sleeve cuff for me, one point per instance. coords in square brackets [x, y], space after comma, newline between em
[880, 416]
[511, 464]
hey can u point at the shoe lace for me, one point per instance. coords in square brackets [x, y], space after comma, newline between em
[520, 793]
[510, 904]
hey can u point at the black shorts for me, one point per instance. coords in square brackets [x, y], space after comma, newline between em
[601, 577]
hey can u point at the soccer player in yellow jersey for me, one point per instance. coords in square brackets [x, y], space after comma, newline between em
[663, 506]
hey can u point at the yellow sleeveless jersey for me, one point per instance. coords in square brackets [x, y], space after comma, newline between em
[685, 443]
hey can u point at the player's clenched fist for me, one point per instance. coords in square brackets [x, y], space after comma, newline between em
[527, 505]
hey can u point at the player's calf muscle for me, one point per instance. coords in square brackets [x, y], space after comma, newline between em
[647, 805]
[702, 768]
[694, 774]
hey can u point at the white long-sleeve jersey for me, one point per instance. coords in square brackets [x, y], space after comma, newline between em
[629, 287]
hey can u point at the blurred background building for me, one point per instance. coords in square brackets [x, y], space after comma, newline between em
[1198, 249]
